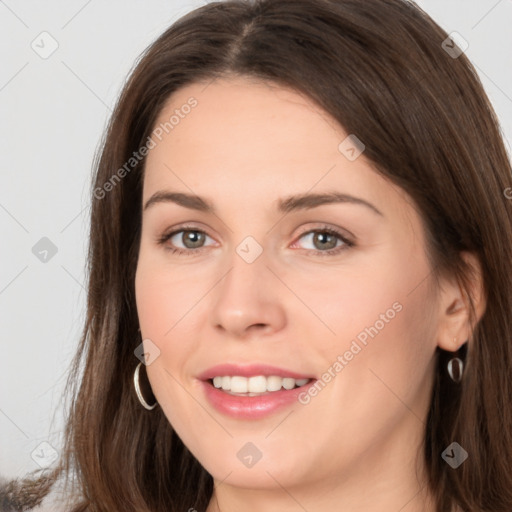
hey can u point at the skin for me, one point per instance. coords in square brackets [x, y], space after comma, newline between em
[354, 446]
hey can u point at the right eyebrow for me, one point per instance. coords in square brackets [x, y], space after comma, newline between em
[284, 205]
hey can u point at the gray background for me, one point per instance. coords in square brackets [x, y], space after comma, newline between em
[52, 113]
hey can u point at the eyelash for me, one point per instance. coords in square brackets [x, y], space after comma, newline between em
[161, 240]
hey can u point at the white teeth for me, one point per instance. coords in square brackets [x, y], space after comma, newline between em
[274, 383]
[239, 384]
[226, 383]
[288, 383]
[257, 384]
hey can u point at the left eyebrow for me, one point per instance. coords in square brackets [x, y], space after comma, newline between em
[308, 201]
[284, 205]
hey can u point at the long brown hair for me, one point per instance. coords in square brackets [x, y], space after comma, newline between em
[381, 69]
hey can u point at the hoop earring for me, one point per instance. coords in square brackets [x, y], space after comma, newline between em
[139, 392]
[455, 368]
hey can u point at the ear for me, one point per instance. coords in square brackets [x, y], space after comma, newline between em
[455, 325]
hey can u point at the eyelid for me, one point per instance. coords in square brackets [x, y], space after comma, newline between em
[347, 239]
[169, 233]
[322, 226]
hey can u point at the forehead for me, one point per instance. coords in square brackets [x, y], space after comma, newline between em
[241, 112]
[252, 139]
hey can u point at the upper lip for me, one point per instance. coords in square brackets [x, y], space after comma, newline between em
[250, 370]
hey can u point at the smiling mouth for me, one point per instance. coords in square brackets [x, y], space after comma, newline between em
[255, 386]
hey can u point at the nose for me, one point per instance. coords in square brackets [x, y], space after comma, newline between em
[248, 300]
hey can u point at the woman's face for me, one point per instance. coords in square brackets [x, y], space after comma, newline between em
[260, 283]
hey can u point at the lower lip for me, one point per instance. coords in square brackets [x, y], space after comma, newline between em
[252, 407]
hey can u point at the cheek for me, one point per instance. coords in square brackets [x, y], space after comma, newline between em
[160, 306]
[367, 301]
[383, 322]
[167, 308]
[165, 295]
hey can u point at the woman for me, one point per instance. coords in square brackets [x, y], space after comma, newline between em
[231, 360]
